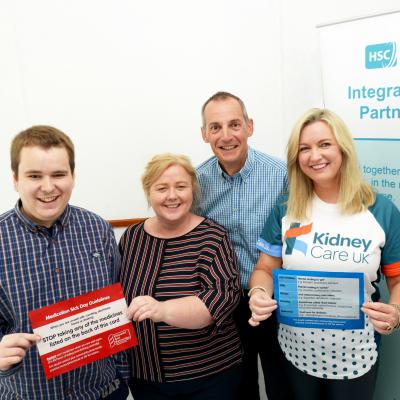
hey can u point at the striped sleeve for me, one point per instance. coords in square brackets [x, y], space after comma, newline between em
[221, 283]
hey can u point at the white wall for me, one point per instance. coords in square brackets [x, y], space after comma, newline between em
[127, 79]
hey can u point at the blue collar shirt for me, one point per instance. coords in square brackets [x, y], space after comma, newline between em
[242, 202]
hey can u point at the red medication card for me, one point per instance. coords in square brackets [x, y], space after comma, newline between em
[83, 329]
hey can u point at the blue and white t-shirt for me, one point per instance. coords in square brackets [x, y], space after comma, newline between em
[329, 240]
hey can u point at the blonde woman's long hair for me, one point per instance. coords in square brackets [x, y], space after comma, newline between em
[355, 194]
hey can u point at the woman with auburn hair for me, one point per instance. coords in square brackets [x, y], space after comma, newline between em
[328, 197]
[180, 278]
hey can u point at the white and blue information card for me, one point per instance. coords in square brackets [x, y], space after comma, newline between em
[316, 299]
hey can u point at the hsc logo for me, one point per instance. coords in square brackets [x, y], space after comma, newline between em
[382, 55]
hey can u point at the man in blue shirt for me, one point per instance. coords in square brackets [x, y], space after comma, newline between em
[240, 186]
[50, 251]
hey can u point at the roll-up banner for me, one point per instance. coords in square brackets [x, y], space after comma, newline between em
[361, 83]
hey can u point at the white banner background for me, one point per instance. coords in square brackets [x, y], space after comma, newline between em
[368, 99]
[365, 93]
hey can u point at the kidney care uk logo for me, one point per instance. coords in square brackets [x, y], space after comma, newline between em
[381, 55]
[291, 237]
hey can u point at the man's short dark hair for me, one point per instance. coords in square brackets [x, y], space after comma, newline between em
[43, 136]
[223, 96]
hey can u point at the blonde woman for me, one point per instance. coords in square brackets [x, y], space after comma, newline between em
[180, 277]
[329, 197]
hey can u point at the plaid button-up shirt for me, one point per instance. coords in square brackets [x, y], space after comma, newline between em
[242, 203]
[40, 266]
